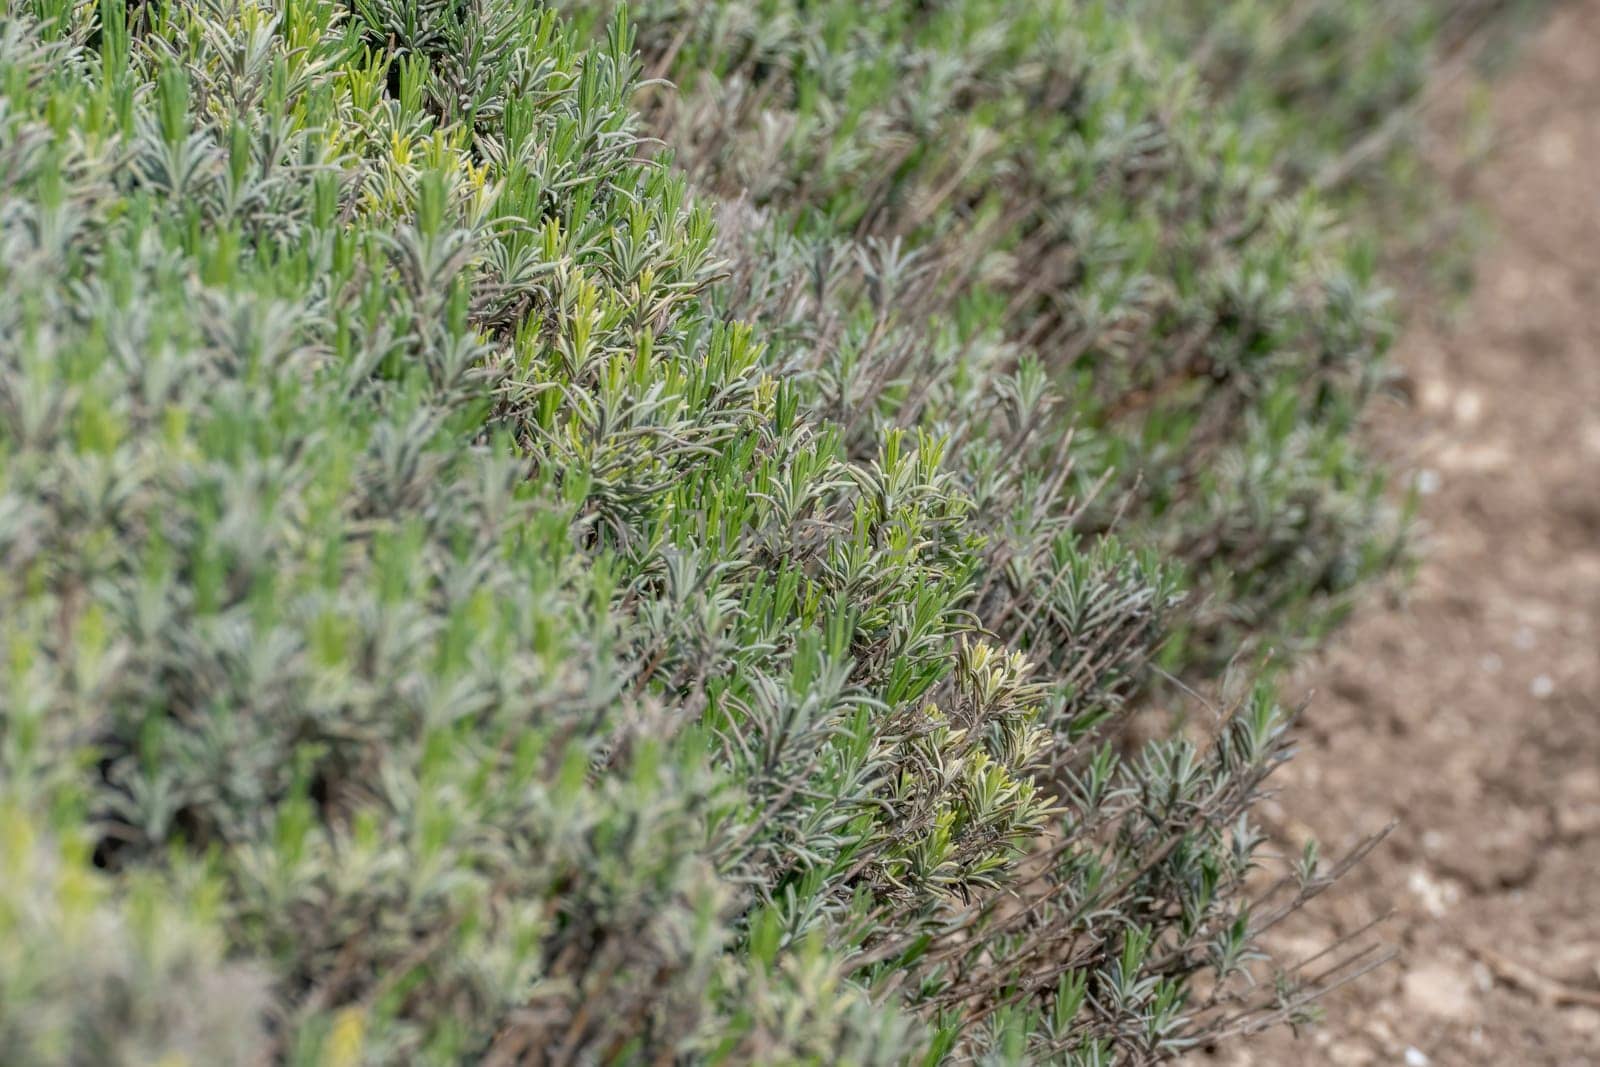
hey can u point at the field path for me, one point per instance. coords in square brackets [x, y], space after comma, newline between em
[1471, 712]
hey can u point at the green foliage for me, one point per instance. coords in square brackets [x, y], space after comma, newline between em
[131, 978]
[1057, 185]
[473, 593]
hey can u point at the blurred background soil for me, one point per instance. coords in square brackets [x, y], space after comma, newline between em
[1469, 711]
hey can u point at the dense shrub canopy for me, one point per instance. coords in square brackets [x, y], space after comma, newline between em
[1062, 189]
[476, 592]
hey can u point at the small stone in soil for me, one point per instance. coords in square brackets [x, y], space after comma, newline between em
[1439, 989]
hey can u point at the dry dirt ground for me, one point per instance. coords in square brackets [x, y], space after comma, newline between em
[1470, 712]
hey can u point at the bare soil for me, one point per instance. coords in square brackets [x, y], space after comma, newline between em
[1470, 713]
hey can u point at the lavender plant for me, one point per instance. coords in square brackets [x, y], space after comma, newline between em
[475, 593]
[1066, 191]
